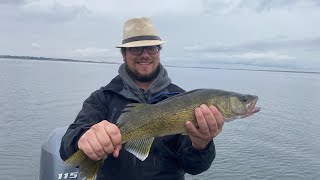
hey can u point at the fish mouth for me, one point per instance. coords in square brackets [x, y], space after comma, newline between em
[251, 107]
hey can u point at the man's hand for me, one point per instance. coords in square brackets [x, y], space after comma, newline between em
[100, 140]
[210, 122]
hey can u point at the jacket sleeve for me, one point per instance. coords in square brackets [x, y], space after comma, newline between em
[93, 111]
[192, 160]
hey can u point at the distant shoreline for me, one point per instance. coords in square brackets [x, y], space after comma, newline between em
[247, 69]
[51, 59]
[176, 66]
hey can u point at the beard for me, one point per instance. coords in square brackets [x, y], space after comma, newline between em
[143, 78]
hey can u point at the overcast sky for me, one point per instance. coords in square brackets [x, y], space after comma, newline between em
[264, 33]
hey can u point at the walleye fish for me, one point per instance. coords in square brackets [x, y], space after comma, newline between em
[140, 123]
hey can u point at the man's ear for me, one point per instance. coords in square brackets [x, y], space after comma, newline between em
[123, 55]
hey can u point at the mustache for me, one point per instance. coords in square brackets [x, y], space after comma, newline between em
[146, 78]
[143, 59]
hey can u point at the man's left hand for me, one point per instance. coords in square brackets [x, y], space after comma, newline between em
[210, 122]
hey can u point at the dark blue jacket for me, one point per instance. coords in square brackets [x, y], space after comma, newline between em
[170, 156]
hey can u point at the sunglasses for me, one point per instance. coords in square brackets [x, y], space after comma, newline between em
[137, 51]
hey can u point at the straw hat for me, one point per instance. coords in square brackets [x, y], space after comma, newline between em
[140, 32]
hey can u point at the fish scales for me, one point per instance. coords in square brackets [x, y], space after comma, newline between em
[165, 118]
[140, 123]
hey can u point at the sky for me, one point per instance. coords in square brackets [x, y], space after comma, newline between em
[258, 33]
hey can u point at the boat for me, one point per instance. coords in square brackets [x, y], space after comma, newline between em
[52, 166]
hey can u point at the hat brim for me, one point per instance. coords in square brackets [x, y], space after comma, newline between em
[142, 43]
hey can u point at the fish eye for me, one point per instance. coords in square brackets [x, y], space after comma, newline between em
[244, 98]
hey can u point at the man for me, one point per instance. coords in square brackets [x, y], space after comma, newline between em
[141, 79]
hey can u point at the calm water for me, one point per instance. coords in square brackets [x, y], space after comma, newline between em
[280, 142]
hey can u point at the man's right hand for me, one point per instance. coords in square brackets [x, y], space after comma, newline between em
[100, 140]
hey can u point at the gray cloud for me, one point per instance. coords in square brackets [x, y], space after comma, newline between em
[227, 7]
[20, 10]
[267, 5]
[317, 2]
[57, 12]
[285, 53]
[311, 44]
[12, 2]
[256, 32]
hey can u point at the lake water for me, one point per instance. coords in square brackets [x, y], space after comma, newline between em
[280, 142]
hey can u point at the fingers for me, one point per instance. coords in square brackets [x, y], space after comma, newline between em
[100, 140]
[209, 119]
[210, 123]
[85, 146]
[114, 134]
[205, 119]
[191, 129]
[117, 151]
[218, 117]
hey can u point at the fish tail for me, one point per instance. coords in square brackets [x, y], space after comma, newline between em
[88, 167]
[76, 159]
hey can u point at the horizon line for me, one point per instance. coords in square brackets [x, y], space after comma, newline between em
[28, 58]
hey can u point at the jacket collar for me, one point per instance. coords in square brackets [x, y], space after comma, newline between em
[122, 84]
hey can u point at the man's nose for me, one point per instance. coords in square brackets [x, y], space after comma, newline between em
[144, 52]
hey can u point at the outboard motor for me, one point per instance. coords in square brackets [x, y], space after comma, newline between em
[51, 165]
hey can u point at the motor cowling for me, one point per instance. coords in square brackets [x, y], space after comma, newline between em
[51, 165]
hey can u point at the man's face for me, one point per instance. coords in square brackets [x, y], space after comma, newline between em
[142, 62]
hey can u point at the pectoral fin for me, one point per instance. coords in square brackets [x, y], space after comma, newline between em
[140, 148]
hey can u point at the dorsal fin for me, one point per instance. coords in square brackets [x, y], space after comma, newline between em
[130, 108]
[134, 107]
[178, 95]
